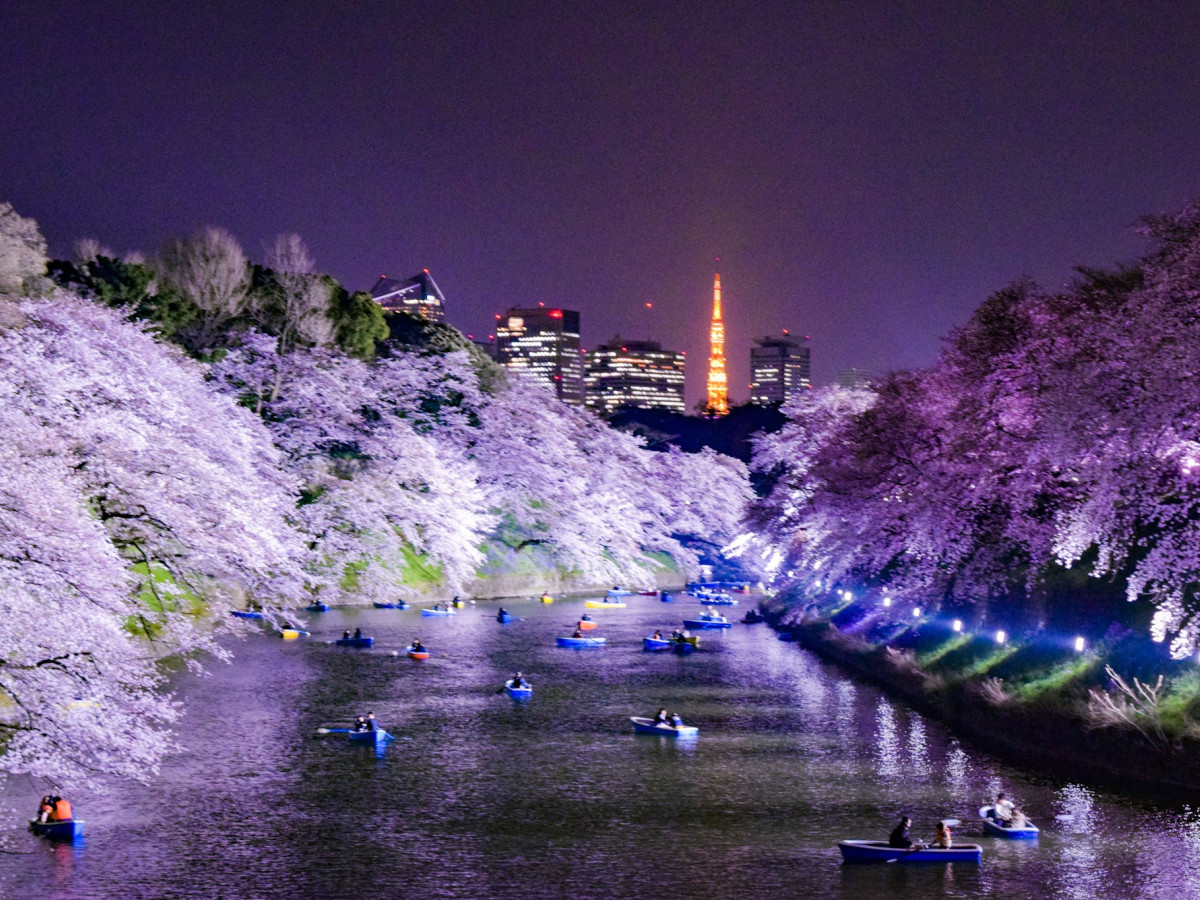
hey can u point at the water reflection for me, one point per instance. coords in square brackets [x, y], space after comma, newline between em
[918, 762]
[887, 740]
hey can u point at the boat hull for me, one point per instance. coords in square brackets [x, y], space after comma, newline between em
[521, 693]
[398, 605]
[505, 618]
[643, 725]
[993, 828]
[604, 604]
[706, 623]
[655, 644]
[318, 607]
[879, 851]
[376, 738]
[355, 642]
[70, 830]
[417, 654]
[580, 643]
[547, 599]
[587, 626]
[438, 612]
[244, 614]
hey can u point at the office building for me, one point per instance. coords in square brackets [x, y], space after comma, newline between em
[780, 369]
[634, 375]
[417, 296]
[545, 343]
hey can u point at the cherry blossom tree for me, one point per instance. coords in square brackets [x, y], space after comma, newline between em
[119, 459]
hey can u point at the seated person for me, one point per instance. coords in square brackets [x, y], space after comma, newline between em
[577, 633]
[1002, 809]
[360, 724]
[657, 636]
[357, 633]
[62, 809]
[676, 720]
[45, 808]
[941, 837]
[518, 681]
[346, 635]
[502, 613]
[660, 718]
[900, 837]
[417, 647]
[372, 725]
[1018, 819]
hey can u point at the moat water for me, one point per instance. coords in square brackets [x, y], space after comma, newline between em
[480, 796]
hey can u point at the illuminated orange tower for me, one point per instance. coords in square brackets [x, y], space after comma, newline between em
[718, 382]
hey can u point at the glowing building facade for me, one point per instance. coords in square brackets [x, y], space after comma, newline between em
[634, 374]
[718, 382]
[780, 369]
[418, 296]
[545, 343]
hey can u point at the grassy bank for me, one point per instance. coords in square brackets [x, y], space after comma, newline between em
[1117, 710]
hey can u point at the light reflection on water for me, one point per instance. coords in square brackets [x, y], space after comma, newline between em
[483, 797]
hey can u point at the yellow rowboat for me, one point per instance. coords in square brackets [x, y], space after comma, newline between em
[603, 604]
[289, 634]
[546, 598]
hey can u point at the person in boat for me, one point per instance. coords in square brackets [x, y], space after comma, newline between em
[676, 720]
[660, 718]
[577, 633]
[657, 636]
[501, 613]
[941, 837]
[372, 725]
[45, 808]
[416, 647]
[357, 633]
[901, 837]
[360, 723]
[1002, 810]
[518, 681]
[346, 635]
[586, 618]
[1018, 819]
[62, 809]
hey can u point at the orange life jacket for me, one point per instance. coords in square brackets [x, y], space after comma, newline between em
[62, 811]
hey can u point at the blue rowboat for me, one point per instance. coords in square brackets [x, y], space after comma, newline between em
[438, 612]
[656, 644]
[355, 641]
[643, 725]
[399, 604]
[707, 622]
[505, 617]
[317, 607]
[879, 851]
[580, 642]
[617, 592]
[518, 693]
[245, 614]
[720, 600]
[994, 828]
[376, 738]
[67, 830]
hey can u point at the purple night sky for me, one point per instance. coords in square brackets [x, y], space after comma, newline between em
[867, 172]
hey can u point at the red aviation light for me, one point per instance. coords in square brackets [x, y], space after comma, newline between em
[649, 306]
[541, 304]
[426, 271]
[554, 313]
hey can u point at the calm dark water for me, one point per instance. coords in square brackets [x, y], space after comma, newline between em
[483, 797]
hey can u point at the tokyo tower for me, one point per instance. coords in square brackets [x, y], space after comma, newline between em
[718, 385]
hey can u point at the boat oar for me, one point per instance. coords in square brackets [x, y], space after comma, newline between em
[334, 730]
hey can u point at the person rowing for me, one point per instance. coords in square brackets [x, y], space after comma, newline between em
[1002, 810]
[518, 682]
[901, 837]
[416, 647]
[942, 837]
[660, 718]
[501, 614]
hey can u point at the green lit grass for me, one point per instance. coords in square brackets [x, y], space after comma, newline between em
[932, 657]
[1056, 680]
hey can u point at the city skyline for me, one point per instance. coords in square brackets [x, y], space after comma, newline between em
[869, 174]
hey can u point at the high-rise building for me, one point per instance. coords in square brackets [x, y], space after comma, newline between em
[780, 369]
[544, 342]
[853, 379]
[718, 382]
[634, 374]
[418, 296]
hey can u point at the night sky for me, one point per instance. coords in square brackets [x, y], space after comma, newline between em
[867, 172]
